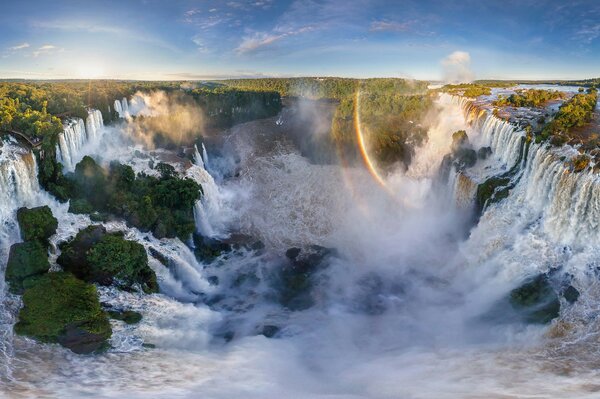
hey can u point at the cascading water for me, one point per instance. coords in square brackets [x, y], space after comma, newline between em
[122, 108]
[76, 136]
[208, 211]
[405, 299]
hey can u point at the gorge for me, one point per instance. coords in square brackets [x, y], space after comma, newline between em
[314, 279]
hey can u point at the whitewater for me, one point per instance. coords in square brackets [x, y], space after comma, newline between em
[405, 308]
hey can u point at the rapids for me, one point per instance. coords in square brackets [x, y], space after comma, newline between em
[399, 312]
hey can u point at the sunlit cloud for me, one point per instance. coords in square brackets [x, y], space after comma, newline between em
[45, 50]
[19, 47]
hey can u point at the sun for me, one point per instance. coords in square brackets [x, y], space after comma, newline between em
[90, 71]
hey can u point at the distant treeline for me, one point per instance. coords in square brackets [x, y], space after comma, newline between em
[595, 82]
[328, 88]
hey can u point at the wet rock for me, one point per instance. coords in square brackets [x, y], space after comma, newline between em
[159, 256]
[465, 158]
[127, 316]
[536, 300]
[207, 249]
[26, 259]
[270, 331]
[59, 308]
[295, 281]
[484, 152]
[571, 294]
[459, 140]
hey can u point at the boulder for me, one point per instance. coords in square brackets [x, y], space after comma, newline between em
[484, 152]
[36, 223]
[25, 260]
[571, 294]
[536, 300]
[59, 308]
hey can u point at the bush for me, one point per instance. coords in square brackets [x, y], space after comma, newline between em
[96, 256]
[36, 223]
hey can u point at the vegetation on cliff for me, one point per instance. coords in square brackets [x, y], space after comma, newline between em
[529, 98]
[575, 112]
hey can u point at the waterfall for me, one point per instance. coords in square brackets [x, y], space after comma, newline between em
[197, 157]
[75, 136]
[18, 187]
[567, 203]
[500, 135]
[205, 157]
[122, 108]
[70, 142]
[208, 210]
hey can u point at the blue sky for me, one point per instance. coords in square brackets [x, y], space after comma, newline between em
[185, 39]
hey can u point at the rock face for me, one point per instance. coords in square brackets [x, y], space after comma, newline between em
[36, 223]
[59, 308]
[536, 300]
[99, 257]
[25, 260]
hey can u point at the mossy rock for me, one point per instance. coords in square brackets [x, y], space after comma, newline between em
[492, 190]
[25, 260]
[536, 300]
[99, 257]
[460, 139]
[59, 308]
[36, 223]
[128, 316]
[115, 259]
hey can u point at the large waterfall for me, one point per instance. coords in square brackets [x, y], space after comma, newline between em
[75, 136]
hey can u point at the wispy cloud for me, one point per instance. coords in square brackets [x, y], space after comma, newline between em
[93, 27]
[45, 50]
[259, 40]
[391, 26]
[588, 33]
[19, 47]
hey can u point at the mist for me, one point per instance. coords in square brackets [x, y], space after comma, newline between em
[161, 117]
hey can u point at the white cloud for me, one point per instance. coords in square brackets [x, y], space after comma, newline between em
[457, 67]
[259, 40]
[19, 47]
[45, 49]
